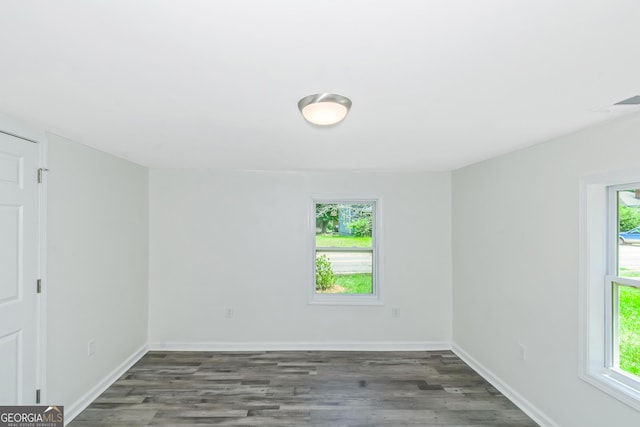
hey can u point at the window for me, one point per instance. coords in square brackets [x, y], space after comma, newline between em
[610, 285]
[622, 284]
[345, 252]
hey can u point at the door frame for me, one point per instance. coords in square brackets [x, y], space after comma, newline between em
[13, 127]
[41, 372]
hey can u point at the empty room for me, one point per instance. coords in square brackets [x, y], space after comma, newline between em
[335, 213]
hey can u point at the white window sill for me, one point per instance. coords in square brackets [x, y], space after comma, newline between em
[617, 384]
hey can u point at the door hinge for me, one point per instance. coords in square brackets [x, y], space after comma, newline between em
[39, 285]
[40, 171]
[38, 396]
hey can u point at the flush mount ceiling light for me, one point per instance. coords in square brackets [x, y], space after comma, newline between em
[625, 106]
[324, 109]
[634, 100]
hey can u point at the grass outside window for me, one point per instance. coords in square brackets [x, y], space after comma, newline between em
[629, 329]
[343, 241]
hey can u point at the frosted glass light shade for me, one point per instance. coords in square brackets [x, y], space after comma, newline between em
[324, 109]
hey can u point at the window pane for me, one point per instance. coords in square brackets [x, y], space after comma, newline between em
[344, 225]
[344, 272]
[629, 233]
[629, 328]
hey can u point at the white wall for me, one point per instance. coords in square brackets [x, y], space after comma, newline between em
[515, 257]
[97, 261]
[239, 240]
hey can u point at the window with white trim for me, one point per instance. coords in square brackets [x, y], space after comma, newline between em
[345, 254]
[610, 285]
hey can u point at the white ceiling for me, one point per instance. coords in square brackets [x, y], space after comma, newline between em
[435, 84]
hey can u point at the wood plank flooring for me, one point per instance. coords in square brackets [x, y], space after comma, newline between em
[302, 388]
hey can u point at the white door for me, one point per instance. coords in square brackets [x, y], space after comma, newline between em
[18, 270]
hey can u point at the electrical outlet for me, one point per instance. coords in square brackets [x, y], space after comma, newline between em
[91, 348]
[229, 313]
[395, 312]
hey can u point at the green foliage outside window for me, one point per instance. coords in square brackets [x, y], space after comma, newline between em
[325, 278]
[628, 217]
[629, 324]
[327, 214]
[361, 227]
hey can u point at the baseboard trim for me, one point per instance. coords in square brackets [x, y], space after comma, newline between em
[72, 411]
[301, 346]
[527, 407]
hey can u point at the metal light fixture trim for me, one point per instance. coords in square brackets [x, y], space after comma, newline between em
[324, 109]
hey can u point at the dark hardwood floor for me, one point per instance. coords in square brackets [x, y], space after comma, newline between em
[302, 388]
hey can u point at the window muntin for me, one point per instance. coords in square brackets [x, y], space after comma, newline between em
[344, 249]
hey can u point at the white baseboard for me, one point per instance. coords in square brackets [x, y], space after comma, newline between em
[522, 403]
[72, 411]
[301, 346]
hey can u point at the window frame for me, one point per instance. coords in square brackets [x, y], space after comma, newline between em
[598, 241]
[375, 298]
